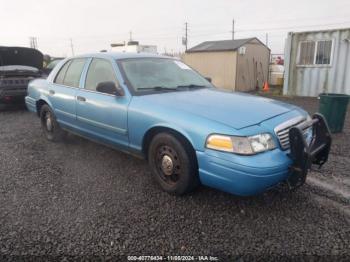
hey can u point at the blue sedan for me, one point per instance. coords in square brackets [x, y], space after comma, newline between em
[190, 132]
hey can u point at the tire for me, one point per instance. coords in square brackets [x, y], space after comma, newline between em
[51, 128]
[173, 164]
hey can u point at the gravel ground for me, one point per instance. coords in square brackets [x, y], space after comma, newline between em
[81, 200]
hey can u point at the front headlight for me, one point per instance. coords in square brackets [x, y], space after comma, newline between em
[241, 144]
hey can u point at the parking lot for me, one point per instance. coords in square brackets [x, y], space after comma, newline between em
[81, 199]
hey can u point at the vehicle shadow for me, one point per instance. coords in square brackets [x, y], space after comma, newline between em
[268, 199]
[12, 108]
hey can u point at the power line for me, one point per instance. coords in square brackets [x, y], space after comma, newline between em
[201, 25]
[271, 29]
[291, 27]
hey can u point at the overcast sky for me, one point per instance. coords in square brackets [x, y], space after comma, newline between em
[93, 25]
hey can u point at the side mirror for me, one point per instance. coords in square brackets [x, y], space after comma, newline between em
[110, 87]
[208, 79]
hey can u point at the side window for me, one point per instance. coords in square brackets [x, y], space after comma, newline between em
[323, 54]
[60, 76]
[72, 77]
[312, 53]
[100, 70]
[306, 53]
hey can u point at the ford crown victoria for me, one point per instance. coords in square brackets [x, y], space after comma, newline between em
[189, 131]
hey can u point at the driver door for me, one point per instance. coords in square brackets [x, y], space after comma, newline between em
[99, 115]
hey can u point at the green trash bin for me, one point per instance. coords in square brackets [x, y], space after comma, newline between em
[334, 107]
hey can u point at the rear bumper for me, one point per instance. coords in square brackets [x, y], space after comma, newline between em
[13, 94]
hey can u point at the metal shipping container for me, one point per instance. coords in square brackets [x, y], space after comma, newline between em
[317, 62]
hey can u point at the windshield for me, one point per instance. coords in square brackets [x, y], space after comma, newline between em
[53, 63]
[159, 74]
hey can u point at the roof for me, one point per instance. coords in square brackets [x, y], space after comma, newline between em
[122, 55]
[320, 31]
[222, 45]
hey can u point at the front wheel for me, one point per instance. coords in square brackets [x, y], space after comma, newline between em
[51, 128]
[173, 164]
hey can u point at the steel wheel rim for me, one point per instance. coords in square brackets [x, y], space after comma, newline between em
[168, 164]
[48, 122]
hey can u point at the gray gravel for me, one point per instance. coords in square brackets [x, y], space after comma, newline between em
[81, 200]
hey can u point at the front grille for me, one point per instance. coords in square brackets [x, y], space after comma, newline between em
[282, 130]
[14, 82]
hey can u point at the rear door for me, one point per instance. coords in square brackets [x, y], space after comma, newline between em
[62, 92]
[102, 116]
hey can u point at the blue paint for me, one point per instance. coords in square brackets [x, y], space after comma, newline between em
[122, 122]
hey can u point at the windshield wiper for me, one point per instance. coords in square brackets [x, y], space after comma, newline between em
[159, 88]
[178, 88]
[191, 86]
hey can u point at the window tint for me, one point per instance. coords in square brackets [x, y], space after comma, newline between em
[73, 73]
[60, 76]
[100, 70]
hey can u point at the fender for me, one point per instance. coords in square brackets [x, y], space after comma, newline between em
[46, 100]
[173, 127]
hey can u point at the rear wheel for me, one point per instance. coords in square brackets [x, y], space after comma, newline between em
[173, 164]
[51, 128]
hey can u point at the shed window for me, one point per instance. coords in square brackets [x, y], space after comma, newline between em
[315, 53]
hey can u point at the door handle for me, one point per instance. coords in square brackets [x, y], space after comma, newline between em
[80, 98]
[51, 92]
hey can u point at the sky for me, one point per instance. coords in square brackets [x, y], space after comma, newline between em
[92, 25]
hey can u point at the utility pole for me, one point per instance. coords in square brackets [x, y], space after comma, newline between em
[71, 46]
[33, 43]
[233, 29]
[267, 39]
[186, 36]
[130, 33]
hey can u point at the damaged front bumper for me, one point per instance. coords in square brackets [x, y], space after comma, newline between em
[304, 154]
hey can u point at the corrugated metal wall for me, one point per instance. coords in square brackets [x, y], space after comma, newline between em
[313, 80]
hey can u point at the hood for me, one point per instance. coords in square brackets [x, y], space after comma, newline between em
[237, 110]
[23, 56]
